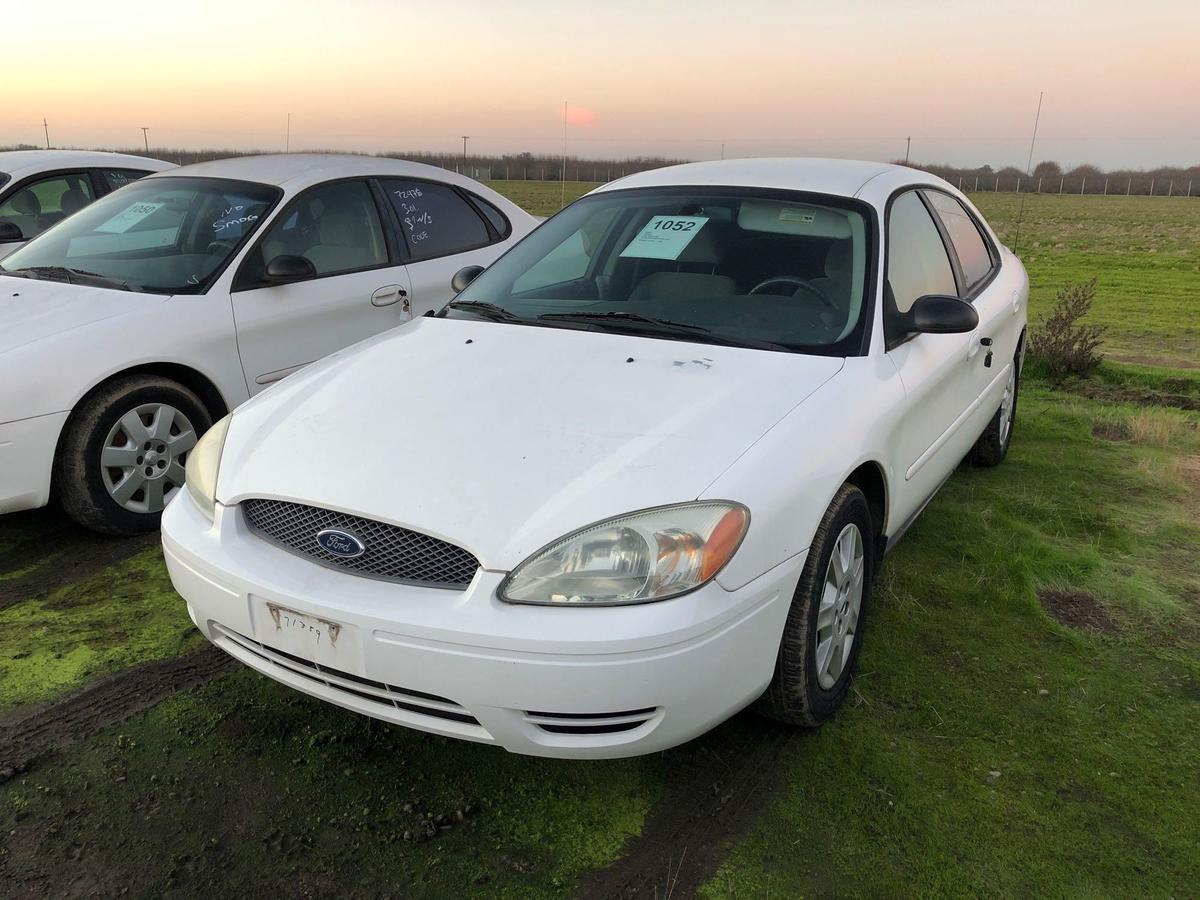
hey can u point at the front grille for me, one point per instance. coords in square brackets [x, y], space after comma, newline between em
[392, 553]
[388, 695]
[591, 723]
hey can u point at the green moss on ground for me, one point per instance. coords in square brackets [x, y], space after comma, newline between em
[247, 788]
[123, 615]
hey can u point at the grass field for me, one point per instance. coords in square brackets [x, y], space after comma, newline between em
[989, 748]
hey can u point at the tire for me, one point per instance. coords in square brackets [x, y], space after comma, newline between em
[992, 446]
[799, 694]
[102, 428]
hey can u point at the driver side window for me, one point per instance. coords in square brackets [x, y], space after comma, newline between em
[917, 262]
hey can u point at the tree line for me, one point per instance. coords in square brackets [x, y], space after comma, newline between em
[1048, 177]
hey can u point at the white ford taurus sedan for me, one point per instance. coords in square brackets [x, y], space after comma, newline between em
[638, 475]
[39, 188]
[126, 330]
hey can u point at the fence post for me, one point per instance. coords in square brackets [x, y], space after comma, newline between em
[1106, 186]
[1018, 184]
[997, 188]
[1151, 187]
[1082, 185]
[960, 182]
[1171, 188]
[1128, 185]
[976, 184]
[1061, 182]
[1189, 187]
[1039, 190]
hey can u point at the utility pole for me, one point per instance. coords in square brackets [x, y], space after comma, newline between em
[46, 128]
[146, 138]
[465, 138]
[722, 151]
[907, 147]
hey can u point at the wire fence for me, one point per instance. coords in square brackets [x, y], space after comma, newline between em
[1103, 186]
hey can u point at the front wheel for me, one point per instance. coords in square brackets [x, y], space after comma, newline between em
[123, 453]
[824, 628]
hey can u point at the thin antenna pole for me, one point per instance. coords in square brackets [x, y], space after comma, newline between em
[46, 128]
[146, 138]
[1028, 170]
[564, 164]
[907, 147]
[465, 138]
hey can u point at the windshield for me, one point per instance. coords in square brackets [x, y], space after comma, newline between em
[167, 235]
[721, 265]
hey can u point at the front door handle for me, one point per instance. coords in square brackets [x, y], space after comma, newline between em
[388, 295]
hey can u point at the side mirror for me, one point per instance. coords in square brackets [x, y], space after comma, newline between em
[942, 314]
[463, 277]
[11, 231]
[287, 268]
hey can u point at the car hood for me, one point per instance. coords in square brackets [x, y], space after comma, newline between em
[501, 438]
[32, 310]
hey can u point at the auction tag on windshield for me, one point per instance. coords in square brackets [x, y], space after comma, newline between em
[123, 221]
[664, 237]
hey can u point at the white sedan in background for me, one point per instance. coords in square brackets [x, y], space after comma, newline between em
[638, 475]
[126, 330]
[39, 188]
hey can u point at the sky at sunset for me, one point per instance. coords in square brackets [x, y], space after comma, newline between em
[763, 77]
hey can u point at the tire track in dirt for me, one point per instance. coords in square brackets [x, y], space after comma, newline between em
[29, 735]
[716, 789]
[77, 554]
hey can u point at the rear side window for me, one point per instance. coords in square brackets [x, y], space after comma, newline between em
[968, 243]
[494, 216]
[917, 263]
[435, 219]
[36, 206]
[118, 178]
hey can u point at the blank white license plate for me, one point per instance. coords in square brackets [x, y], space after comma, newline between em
[310, 637]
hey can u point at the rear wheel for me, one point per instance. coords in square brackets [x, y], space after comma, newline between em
[123, 452]
[992, 446]
[824, 629]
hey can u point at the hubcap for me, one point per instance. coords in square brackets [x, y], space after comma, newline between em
[1006, 405]
[143, 457]
[841, 600]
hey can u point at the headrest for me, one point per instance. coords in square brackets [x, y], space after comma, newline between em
[339, 225]
[27, 203]
[839, 259]
[72, 201]
[793, 218]
[706, 247]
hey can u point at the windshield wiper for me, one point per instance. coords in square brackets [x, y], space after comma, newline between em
[624, 319]
[487, 310]
[70, 275]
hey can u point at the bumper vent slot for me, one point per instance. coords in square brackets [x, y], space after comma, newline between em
[344, 682]
[591, 723]
[391, 553]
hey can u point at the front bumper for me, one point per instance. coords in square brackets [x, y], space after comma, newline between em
[545, 681]
[26, 458]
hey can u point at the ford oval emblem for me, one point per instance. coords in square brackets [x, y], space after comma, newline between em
[341, 544]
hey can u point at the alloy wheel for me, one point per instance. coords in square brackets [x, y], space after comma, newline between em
[840, 603]
[143, 457]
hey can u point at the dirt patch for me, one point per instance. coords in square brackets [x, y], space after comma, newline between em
[62, 554]
[1111, 431]
[717, 786]
[1170, 362]
[1077, 609]
[1189, 468]
[1133, 395]
[28, 735]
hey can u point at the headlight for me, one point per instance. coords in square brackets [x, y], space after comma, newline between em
[203, 463]
[650, 555]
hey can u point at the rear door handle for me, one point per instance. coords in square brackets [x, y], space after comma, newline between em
[388, 295]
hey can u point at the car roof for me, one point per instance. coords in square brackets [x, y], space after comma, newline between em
[839, 177]
[19, 163]
[296, 170]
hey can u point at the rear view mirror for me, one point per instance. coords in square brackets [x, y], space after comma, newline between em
[463, 277]
[10, 231]
[287, 268]
[941, 314]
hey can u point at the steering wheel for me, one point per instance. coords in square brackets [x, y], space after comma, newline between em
[800, 284]
[221, 247]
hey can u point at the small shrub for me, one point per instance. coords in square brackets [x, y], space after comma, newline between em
[1060, 343]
